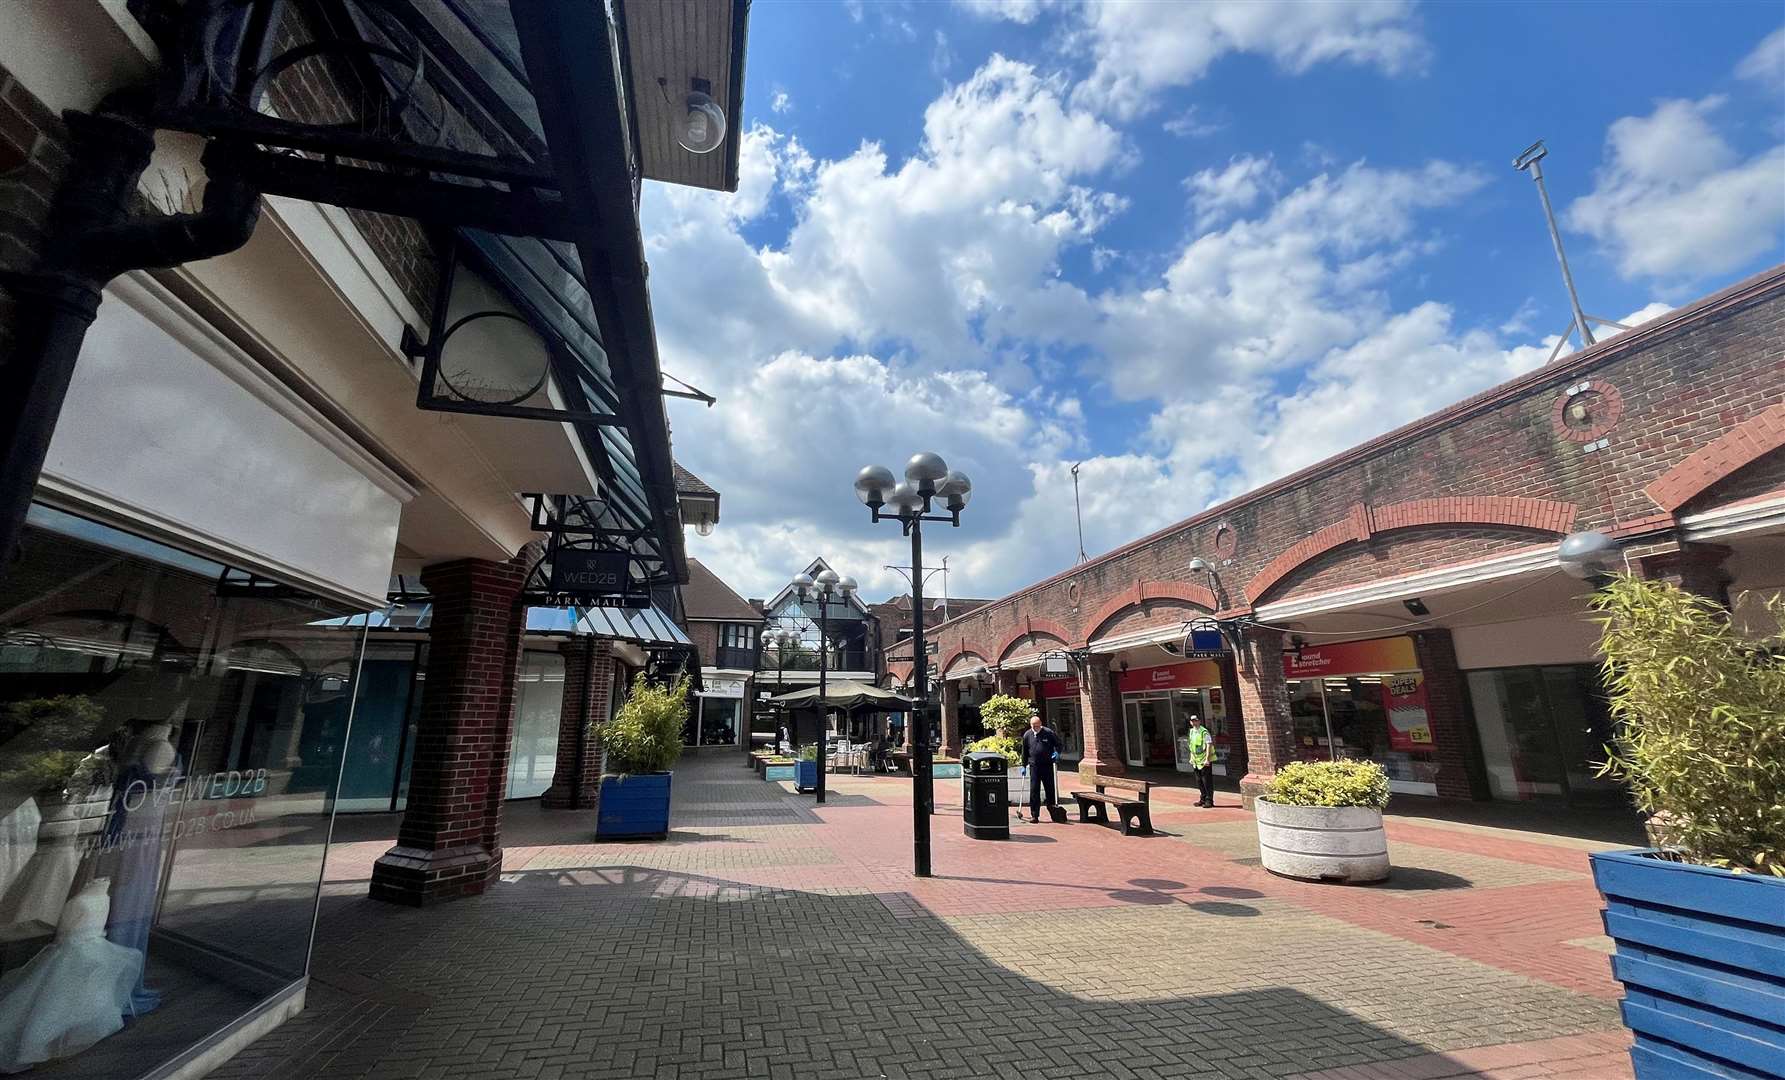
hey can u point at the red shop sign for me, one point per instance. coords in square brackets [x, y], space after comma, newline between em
[1171, 676]
[1059, 688]
[1351, 658]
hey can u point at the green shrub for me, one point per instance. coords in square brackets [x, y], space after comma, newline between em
[60, 733]
[809, 752]
[1006, 715]
[1330, 783]
[645, 735]
[1000, 744]
[1700, 713]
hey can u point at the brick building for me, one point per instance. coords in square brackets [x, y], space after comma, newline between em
[1403, 601]
[325, 390]
[727, 632]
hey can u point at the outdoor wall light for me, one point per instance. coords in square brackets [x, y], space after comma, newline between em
[703, 127]
[1587, 555]
[1199, 565]
[1416, 607]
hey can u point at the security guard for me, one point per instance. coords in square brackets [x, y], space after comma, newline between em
[1202, 759]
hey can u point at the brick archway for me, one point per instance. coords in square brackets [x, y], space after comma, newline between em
[1036, 626]
[1141, 592]
[1740, 446]
[942, 666]
[1364, 521]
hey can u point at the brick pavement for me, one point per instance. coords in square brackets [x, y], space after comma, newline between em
[772, 938]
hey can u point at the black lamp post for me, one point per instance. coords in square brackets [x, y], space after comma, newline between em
[823, 588]
[927, 478]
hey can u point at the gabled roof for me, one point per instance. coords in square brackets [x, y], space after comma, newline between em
[705, 596]
[812, 568]
[689, 484]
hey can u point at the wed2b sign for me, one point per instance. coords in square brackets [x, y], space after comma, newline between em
[595, 578]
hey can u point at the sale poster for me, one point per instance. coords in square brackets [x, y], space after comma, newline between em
[1409, 725]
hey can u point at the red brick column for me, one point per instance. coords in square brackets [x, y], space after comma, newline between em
[1696, 568]
[951, 719]
[1264, 703]
[1236, 719]
[1454, 745]
[1007, 682]
[588, 676]
[1100, 714]
[450, 842]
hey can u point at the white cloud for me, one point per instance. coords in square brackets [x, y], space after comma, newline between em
[1017, 11]
[781, 102]
[1141, 49]
[1766, 64]
[1674, 200]
[1193, 122]
[1219, 194]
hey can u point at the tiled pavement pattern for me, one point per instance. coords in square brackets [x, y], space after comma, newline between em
[771, 938]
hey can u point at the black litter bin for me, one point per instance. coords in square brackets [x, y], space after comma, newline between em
[985, 805]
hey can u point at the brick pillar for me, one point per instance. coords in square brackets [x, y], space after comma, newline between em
[588, 676]
[450, 842]
[1454, 745]
[1100, 715]
[951, 719]
[1264, 703]
[1007, 682]
[1696, 568]
[1236, 719]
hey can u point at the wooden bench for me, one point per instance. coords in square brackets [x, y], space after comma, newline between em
[1136, 815]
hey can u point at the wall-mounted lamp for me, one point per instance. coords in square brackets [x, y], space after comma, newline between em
[1587, 555]
[703, 126]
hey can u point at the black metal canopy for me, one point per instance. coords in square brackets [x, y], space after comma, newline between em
[505, 129]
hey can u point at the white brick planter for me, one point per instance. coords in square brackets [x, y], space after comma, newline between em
[1322, 843]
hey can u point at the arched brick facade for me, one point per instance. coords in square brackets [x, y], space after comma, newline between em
[1364, 521]
[1742, 445]
[1142, 591]
[941, 669]
[1035, 628]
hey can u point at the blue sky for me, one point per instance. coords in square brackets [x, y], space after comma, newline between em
[1193, 246]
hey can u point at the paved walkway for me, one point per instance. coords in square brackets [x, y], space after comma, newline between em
[770, 938]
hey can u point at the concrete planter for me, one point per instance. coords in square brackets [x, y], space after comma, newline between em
[1701, 954]
[1322, 843]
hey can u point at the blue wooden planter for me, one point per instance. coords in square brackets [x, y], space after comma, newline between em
[1701, 954]
[945, 770]
[777, 772]
[805, 776]
[634, 806]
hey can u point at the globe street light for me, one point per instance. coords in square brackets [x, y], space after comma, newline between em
[928, 480]
[823, 588]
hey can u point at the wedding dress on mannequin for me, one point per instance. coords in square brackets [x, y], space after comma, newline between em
[73, 993]
[33, 903]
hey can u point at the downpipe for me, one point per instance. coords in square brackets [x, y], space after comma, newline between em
[91, 238]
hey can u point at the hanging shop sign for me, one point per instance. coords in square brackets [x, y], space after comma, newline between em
[1059, 688]
[1351, 658]
[715, 687]
[1204, 643]
[1056, 664]
[594, 578]
[1409, 724]
[1170, 677]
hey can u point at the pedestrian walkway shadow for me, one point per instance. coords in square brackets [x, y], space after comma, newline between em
[631, 971]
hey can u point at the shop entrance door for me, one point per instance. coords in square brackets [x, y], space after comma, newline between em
[1150, 734]
[1543, 732]
[1135, 753]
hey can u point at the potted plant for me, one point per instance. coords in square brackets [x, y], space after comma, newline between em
[805, 769]
[1699, 921]
[1322, 821]
[641, 742]
[1007, 717]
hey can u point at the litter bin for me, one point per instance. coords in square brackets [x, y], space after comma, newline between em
[985, 806]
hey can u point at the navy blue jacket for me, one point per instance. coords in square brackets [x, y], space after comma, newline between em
[1039, 747]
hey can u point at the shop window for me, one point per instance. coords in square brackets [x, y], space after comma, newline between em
[1543, 731]
[719, 721]
[533, 753]
[1062, 716]
[381, 746]
[170, 754]
[1380, 718]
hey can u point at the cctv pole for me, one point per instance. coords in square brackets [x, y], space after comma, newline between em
[1531, 161]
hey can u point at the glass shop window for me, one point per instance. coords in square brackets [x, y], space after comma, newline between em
[171, 742]
[1062, 716]
[533, 752]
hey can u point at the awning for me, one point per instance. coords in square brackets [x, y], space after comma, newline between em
[1173, 634]
[650, 626]
[647, 626]
[843, 694]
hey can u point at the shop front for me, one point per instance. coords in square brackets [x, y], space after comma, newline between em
[1543, 732]
[1158, 707]
[1363, 700]
[1058, 703]
[171, 738]
[719, 714]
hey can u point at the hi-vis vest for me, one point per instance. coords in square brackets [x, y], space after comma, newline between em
[1202, 746]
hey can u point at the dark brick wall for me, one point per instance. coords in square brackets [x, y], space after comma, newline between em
[1460, 774]
[32, 160]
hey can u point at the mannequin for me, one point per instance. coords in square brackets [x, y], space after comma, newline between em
[73, 993]
[33, 903]
[18, 841]
[135, 829]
